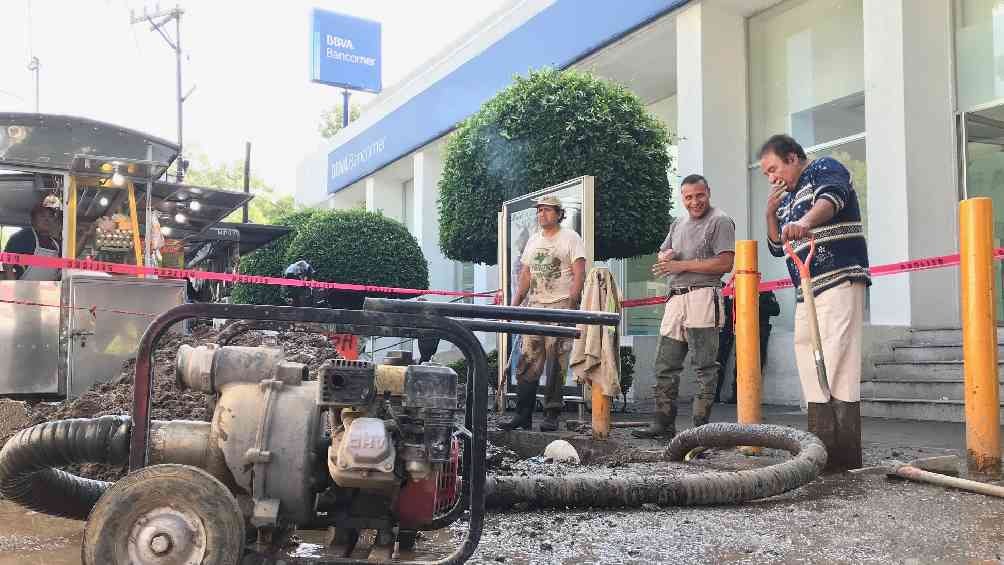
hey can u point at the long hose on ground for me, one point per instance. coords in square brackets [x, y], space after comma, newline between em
[28, 474]
[699, 489]
[27, 463]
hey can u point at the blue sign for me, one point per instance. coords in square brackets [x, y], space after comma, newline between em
[558, 36]
[345, 51]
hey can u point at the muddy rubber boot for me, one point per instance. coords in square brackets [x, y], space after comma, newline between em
[847, 416]
[526, 398]
[664, 426]
[823, 425]
[551, 420]
[702, 411]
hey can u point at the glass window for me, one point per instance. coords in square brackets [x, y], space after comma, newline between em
[807, 71]
[979, 51]
[643, 320]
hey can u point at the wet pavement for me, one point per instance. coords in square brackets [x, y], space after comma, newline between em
[859, 518]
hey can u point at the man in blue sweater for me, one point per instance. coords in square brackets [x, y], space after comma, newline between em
[817, 198]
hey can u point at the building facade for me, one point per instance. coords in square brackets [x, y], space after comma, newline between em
[909, 94]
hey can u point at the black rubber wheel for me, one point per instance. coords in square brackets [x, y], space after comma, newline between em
[406, 539]
[165, 515]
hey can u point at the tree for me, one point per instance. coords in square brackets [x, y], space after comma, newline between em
[265, 208]
[544, 129]
[331, 120]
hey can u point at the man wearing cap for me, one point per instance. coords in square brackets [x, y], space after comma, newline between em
[553, 269]
[698, 250]
[42, 238]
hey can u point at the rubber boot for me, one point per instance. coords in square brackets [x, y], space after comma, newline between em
[702, 411]
[664, 426]
[848, 433]
[551, 420]
[823, 425]
[526, 398]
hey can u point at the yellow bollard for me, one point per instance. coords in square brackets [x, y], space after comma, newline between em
[747, 301]
[979, 337]
[600, 414]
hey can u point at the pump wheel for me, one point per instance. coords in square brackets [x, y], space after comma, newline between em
[165, 515]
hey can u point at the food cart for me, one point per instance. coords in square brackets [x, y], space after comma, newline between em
[60, 337]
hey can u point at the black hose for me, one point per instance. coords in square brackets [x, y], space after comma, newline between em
[28, 461]
[706, 488]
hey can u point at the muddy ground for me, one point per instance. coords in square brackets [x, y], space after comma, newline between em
[846, 518]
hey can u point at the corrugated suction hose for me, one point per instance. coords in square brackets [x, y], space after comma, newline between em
[28, 461]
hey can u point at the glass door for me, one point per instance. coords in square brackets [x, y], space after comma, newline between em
[982, 170]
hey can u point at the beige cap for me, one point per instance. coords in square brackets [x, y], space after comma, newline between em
[50, 201]
[549, 200]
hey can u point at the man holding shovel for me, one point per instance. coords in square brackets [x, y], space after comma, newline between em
[812, 206]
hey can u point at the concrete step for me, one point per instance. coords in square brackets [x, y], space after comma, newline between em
[913, 409]
[922, 371]
[948, 389]
[919, 353]
[944, 336]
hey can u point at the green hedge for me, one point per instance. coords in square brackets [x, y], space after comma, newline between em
[544, 129]
[346, 246]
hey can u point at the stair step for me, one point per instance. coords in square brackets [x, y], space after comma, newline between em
[919, 353]
[913, 409]
[944, 336]
[931, 389]
[922, 371]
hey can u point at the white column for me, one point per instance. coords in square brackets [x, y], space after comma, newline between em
[428, 166]
[385, 196]
[711, 104]
[913, 187]
[371, 194]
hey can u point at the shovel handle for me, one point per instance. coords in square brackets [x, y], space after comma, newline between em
[810, 305]
[802, 266]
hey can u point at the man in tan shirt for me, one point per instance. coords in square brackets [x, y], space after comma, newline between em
[553, 269]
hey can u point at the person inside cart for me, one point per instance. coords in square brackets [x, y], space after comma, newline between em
[42, 238]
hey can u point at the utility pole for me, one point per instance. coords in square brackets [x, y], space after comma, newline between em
[34, 66]
[163, 17]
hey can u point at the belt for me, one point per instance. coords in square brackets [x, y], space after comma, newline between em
[685, 289]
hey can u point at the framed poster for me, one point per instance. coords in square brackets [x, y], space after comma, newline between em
[517, 222]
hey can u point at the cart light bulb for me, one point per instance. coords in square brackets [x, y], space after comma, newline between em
[180, 218]
[103, 201]
[195, 205]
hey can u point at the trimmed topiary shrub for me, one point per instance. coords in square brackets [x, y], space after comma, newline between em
[544, 129]
[346, 246]
[359, 247]
[268, 261]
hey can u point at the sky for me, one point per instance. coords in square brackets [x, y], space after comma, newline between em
[248, 61]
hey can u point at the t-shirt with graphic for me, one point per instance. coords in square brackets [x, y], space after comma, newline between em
[550, 262]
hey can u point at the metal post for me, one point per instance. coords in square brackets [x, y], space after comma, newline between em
[34, 66]
[345, 107]
[148, 231]
[247, 175]
[747, 333]
[181, 99]
[979, 337]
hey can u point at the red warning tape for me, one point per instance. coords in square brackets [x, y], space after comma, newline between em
[120, 269]
[925, 264]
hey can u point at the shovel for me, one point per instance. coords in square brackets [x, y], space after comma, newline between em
[810, 306]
